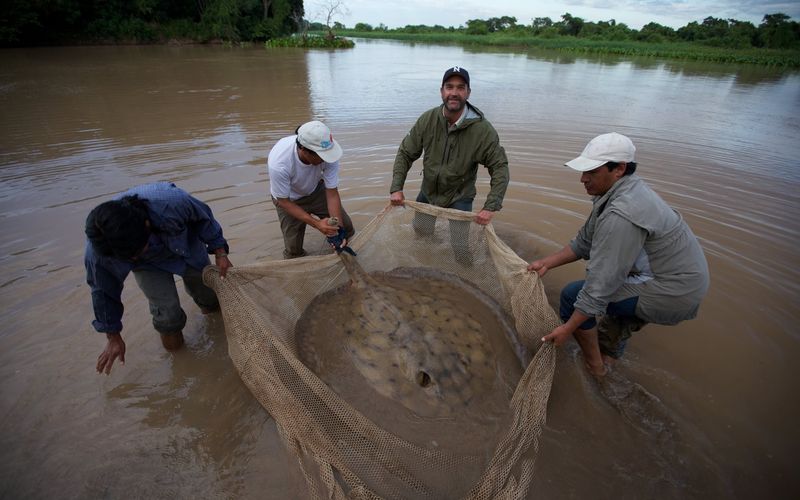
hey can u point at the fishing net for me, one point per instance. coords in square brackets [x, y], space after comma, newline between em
[340, 451]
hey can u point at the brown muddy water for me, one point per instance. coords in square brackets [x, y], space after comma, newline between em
[78, 125]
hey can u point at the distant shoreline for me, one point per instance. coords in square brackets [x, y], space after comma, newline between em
[667, 50]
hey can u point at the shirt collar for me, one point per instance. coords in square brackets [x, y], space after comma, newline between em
[460, 118]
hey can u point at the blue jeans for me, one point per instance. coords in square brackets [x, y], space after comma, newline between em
[624, 310]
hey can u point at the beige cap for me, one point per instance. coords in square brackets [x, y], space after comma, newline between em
[317, 137]
[603, 149]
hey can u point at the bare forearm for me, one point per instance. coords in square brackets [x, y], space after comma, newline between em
[576, 320]
[334, 203]
[563, 256]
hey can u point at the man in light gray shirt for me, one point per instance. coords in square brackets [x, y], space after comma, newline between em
[645, 264]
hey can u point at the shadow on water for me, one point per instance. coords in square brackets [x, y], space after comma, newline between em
[742, 74]
[213, 423]
[676, 467]
[638, 407]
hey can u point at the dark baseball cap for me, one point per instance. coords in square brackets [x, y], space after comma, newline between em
[457, 71]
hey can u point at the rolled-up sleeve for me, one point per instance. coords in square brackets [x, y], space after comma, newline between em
[615, 245]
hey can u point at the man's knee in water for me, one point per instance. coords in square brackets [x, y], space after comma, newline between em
[569, 294]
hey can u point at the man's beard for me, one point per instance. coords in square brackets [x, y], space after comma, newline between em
[458, 103]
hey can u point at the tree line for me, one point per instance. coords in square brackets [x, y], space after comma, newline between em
[776, 31]
[59, 22]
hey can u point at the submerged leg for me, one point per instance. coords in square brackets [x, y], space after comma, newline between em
[423, 224]
[165, 307]
[587, 339]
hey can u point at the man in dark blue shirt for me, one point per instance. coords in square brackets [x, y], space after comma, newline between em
[156, 231]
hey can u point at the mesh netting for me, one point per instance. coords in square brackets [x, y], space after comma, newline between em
[341, 452]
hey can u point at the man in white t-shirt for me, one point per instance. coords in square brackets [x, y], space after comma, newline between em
[303, 181]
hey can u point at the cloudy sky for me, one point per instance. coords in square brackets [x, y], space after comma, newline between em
[634, 13]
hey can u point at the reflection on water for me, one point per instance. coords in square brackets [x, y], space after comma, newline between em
[719, 142]
[575, 99]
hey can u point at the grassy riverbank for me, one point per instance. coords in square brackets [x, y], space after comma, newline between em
[311, 42]
[671, 50]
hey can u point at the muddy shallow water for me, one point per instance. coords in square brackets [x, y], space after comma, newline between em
[719, 143]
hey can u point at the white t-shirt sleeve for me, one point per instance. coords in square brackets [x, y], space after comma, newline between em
[279, 182]
[280, 168]
[330, 174]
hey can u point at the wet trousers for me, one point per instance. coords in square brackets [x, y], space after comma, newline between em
[165, 307]
[617, 325]
[294, 230]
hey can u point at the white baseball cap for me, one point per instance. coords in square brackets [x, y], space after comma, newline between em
[317, 137]
[603, 149]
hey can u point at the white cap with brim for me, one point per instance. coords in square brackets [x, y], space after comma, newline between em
[317, 137]
[603, 149]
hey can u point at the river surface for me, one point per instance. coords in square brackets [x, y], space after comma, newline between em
[719, 142]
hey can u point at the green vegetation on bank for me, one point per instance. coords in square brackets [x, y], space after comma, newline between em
[311, 42]
[62, 22]
[776, 41]
[672, 50]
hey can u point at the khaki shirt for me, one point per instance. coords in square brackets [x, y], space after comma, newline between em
[637, 245]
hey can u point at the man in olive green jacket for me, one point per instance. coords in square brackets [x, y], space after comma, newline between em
[454, 138]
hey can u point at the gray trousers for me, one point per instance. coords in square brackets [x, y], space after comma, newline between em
[294, 230]
[425, 224]
[165, 307]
